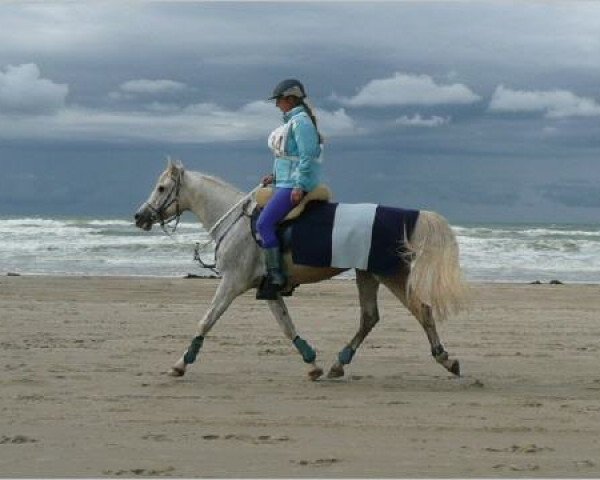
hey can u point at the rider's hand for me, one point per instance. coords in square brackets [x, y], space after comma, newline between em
[268, 179]
[297, 194]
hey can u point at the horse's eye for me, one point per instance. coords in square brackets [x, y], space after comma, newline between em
[161, 189]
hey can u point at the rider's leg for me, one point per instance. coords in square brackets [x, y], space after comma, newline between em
[275, 210]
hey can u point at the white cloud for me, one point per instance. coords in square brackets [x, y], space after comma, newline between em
[207, 108]
[144, 86]
[409, 89]
[196, 123]
[330, 123]
[336, 123]
[133, 88]
[259, 107]
[418, 121]
[22, 90]
[553, 103]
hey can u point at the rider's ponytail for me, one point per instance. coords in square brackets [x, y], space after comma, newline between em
[309, 110]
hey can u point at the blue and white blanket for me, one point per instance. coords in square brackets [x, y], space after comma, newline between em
[365, 236]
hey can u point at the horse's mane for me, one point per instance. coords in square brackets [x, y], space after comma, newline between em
[220, 182]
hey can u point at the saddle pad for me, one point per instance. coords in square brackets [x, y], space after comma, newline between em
[365, 236]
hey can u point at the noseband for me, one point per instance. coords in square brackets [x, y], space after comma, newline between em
[170, 199]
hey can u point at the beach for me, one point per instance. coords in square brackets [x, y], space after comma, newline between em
[84, 389]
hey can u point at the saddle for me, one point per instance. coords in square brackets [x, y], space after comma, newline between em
[320, 193]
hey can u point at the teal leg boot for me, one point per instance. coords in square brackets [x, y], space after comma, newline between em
[274, 280]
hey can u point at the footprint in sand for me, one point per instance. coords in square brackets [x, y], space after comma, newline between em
[531, 448]
[517, 468]
[141, 472]
[16, 440]
[31, 398]
[157, 437]
[319, 462]
[533, 404]
[584, 464]
[10, 367]
[256, 440]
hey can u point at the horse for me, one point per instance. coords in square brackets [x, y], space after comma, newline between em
[430, 283]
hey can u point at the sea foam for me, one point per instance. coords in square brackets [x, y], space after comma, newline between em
[105, 246]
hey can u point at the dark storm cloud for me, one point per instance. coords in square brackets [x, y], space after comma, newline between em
[469, 118]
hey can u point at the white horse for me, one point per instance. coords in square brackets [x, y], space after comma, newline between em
[430, 285]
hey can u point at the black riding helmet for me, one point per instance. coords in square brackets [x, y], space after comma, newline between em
[288, 87]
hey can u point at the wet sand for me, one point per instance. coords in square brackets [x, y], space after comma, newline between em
[84, 393]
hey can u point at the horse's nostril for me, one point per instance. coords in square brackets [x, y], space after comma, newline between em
[137, 216]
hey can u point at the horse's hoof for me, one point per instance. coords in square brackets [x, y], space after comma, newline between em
[455, 368]
[315, 373]
[177, 372]
[336, 371]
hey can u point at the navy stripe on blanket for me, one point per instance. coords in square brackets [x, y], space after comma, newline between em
[365, 236]
[311, 235]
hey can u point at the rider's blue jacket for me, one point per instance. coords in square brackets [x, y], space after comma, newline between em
[299, 163]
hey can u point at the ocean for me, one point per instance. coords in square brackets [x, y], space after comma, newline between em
[520, 253]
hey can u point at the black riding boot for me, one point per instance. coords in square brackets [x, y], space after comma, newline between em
[274, 280]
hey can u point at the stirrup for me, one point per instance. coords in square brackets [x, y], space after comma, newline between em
[288, 292]
[267, 290]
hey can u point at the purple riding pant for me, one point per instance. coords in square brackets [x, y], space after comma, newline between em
[275, 210]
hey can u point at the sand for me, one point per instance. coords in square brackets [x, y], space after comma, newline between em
[84, 390]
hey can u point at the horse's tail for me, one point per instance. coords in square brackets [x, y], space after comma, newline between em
[435, 279]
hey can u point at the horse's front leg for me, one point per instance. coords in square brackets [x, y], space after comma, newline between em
[368, 286]
[227, 291]
[280, 311]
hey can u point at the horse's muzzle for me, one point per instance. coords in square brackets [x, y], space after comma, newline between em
[144, 219]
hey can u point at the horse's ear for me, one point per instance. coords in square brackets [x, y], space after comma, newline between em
[173, 167]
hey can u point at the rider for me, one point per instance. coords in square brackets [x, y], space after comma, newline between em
[296, 170]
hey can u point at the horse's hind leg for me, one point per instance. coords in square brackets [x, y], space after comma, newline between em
[425, 317]
[437, 349]
[368, 286]
[280, 311]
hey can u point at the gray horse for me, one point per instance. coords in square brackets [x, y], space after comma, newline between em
[430, 284]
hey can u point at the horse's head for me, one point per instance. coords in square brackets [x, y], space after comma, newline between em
[163, 204]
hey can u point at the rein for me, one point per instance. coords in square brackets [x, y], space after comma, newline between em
[244, 201]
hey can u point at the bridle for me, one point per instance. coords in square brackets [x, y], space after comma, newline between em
[173, 198]
[170, 199]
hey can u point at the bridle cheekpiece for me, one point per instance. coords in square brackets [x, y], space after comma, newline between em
[170, 199]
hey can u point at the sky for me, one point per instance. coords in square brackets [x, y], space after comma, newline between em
[482, 111]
